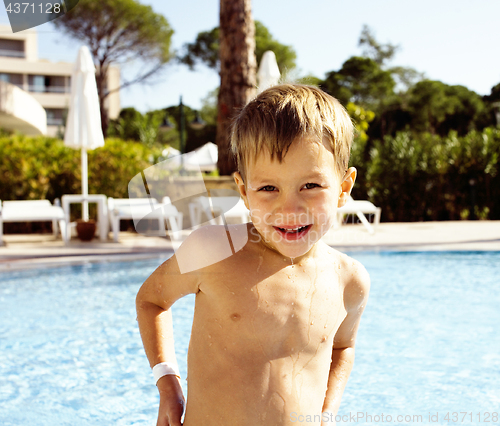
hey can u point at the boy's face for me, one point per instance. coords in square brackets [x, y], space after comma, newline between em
[294, 203]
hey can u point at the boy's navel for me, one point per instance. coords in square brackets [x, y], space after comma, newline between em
[235, 316]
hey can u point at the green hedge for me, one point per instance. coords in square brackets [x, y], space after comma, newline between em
[427, 177]
[43, 168]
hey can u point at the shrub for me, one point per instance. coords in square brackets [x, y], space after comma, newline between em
[427, 177]
[33, 168]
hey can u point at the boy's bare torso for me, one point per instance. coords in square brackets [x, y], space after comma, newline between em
[262, 336]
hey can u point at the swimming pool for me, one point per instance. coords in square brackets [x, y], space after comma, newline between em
[428, 345]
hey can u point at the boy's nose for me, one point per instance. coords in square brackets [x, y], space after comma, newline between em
[292, 207]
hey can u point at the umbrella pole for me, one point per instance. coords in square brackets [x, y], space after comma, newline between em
[85, 185]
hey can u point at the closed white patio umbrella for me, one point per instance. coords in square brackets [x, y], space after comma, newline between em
[269, 72]
[83, 126]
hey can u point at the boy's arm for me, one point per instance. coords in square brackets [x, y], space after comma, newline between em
[153, 302]
[355, 298]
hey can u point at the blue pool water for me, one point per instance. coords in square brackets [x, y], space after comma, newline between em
[428, 345]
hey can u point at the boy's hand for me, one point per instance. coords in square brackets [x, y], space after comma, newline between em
[171, 401]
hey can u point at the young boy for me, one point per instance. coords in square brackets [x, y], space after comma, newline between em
[274, 327]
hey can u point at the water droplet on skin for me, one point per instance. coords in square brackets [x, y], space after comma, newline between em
[293, 315]
[293, 303]
[312, 322]
[261, 259]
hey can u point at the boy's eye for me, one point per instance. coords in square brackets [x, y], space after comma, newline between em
[311, 185]
[267, 188]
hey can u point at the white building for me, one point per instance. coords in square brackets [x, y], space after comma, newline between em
[34, 93]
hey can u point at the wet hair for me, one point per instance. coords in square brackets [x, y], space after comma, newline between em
[281, 114]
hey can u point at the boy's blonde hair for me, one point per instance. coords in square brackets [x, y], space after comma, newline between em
[281, 114]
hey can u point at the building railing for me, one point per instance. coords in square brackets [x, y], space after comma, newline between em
[55, 121]
[49, 89]
[12, 53]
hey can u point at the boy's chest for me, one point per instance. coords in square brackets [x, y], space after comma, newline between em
[277, 315]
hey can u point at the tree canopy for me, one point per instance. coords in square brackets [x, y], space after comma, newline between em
[381, 53]
[264, 41]
[119, 32]
[438, 108]
[360, 80]
[494, 95]
[372, 49]
[402, 99]
[205, 49]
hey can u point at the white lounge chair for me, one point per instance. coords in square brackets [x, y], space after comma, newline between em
[173, 216]
[34, 211]
[219, 206]
[360, 208]
[139, 208]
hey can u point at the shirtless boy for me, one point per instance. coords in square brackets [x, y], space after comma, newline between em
[274, 327]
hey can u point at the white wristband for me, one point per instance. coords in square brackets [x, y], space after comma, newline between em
[164, 369]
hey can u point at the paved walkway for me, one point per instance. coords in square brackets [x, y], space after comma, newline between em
[35, 251]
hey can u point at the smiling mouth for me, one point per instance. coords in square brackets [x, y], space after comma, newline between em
[296, 230]
[293, 233]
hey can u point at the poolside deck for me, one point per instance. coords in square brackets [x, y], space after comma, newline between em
[42, 250]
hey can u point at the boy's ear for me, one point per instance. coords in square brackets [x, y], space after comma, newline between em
[346, 185]
[241, 187]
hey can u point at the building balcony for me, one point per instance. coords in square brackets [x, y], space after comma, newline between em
[49, 89]
[52, 121]
[12, 53]
[19, 111]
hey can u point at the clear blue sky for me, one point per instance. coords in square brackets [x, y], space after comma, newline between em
[455, 41]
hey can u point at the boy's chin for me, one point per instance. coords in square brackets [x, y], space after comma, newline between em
[293, 254]
[293, 250]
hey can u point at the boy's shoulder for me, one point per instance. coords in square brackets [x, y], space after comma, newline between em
[356, 284]
[354, 267]
[210, 244]
[354, 278]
